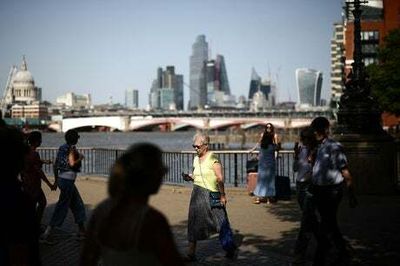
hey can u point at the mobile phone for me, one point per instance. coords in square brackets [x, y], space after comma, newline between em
[186, 177]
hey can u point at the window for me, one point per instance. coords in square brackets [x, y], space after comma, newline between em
[370, 35]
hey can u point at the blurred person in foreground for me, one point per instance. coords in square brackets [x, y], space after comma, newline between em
[18, 224]
[32, 175]
[124, 229]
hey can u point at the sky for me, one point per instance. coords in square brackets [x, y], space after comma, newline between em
[104, 47]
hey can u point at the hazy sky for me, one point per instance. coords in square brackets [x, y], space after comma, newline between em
[103, 47]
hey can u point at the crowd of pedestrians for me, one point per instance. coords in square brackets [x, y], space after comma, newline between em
[124, 229]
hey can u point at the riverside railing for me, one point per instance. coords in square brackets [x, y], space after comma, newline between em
[99, 161]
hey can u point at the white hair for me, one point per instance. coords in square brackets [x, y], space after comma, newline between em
[205, 139]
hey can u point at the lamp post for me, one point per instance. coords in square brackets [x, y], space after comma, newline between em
[358, 111]
[369, 149]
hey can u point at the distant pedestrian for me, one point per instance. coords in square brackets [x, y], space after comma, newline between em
[124, 229]
[67, 165]
[303, 163]
[32, 175]
[207, 213]
[329, 177]
[268, 143]
[19, 229]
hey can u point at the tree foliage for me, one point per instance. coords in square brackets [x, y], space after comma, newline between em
[385, 76]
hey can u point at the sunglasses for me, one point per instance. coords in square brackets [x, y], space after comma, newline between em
[197, 146]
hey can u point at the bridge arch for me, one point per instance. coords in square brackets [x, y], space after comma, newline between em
[114, 122]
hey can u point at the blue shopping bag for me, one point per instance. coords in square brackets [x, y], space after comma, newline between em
[226, 236]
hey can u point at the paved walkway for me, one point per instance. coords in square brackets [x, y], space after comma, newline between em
[266, 234]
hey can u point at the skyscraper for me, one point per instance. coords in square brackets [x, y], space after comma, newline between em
[264, 87]
[167, 90]
[198, 81]
[309, 84]
[337, 63]
[132, 98]
[217, 82]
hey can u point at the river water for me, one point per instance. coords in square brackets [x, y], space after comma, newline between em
[167, 141]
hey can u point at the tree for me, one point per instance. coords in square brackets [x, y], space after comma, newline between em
[385, 75]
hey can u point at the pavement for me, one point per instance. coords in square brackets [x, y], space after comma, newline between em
[265, 233]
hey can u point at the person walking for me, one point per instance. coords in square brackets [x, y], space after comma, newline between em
[269, 143]
[66, 167]
[208, 189]
[32, 175]
[124, 229]
[304, 160]
[330, 175]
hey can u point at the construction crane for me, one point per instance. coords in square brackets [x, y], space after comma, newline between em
[7, 98]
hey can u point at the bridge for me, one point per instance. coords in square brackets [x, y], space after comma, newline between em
[183, 120]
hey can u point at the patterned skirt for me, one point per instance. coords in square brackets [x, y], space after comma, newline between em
[203, 220]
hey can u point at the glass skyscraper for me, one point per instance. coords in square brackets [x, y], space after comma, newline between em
[217, 81]
[198, 76]
[309, 84]
[132, 98]
[167, 90]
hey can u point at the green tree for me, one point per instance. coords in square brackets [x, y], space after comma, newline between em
[385, 76]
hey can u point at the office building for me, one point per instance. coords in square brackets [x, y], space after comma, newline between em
[218, 88]
[337, 64]
[71, 100]
[198, 79]
[132, 98]
[265, 87]
[309, 84]
[166, 92]
[378, 17]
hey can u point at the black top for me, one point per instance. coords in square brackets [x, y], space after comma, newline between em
[267, 140]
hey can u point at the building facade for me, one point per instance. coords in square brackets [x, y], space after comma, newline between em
[198, 76]
[218, 90]
[132, 98]
[378, 18]
[265, 87]
[71, 100]
[166, 92]
[22, 99]
[34, 110]
[337, 64]
[309, 85]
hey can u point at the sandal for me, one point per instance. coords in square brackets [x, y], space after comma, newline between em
[257, 201]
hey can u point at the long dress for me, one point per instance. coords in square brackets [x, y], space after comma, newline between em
[266, 172]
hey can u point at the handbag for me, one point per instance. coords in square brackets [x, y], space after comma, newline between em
[215, 199]
[252, 165]
[226, 236]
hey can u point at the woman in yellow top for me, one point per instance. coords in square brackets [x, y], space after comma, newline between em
[207, 176]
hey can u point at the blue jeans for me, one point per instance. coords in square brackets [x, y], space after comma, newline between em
[69, 198]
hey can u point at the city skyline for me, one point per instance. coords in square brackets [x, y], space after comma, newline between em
[104, 48]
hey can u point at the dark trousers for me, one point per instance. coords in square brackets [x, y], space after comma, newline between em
[327, 199]
[309, 222]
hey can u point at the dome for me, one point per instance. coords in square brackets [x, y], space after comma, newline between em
[23, 75]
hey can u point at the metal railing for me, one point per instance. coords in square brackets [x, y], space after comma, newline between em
[99, 161]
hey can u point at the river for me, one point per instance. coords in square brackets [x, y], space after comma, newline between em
[167, 141]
